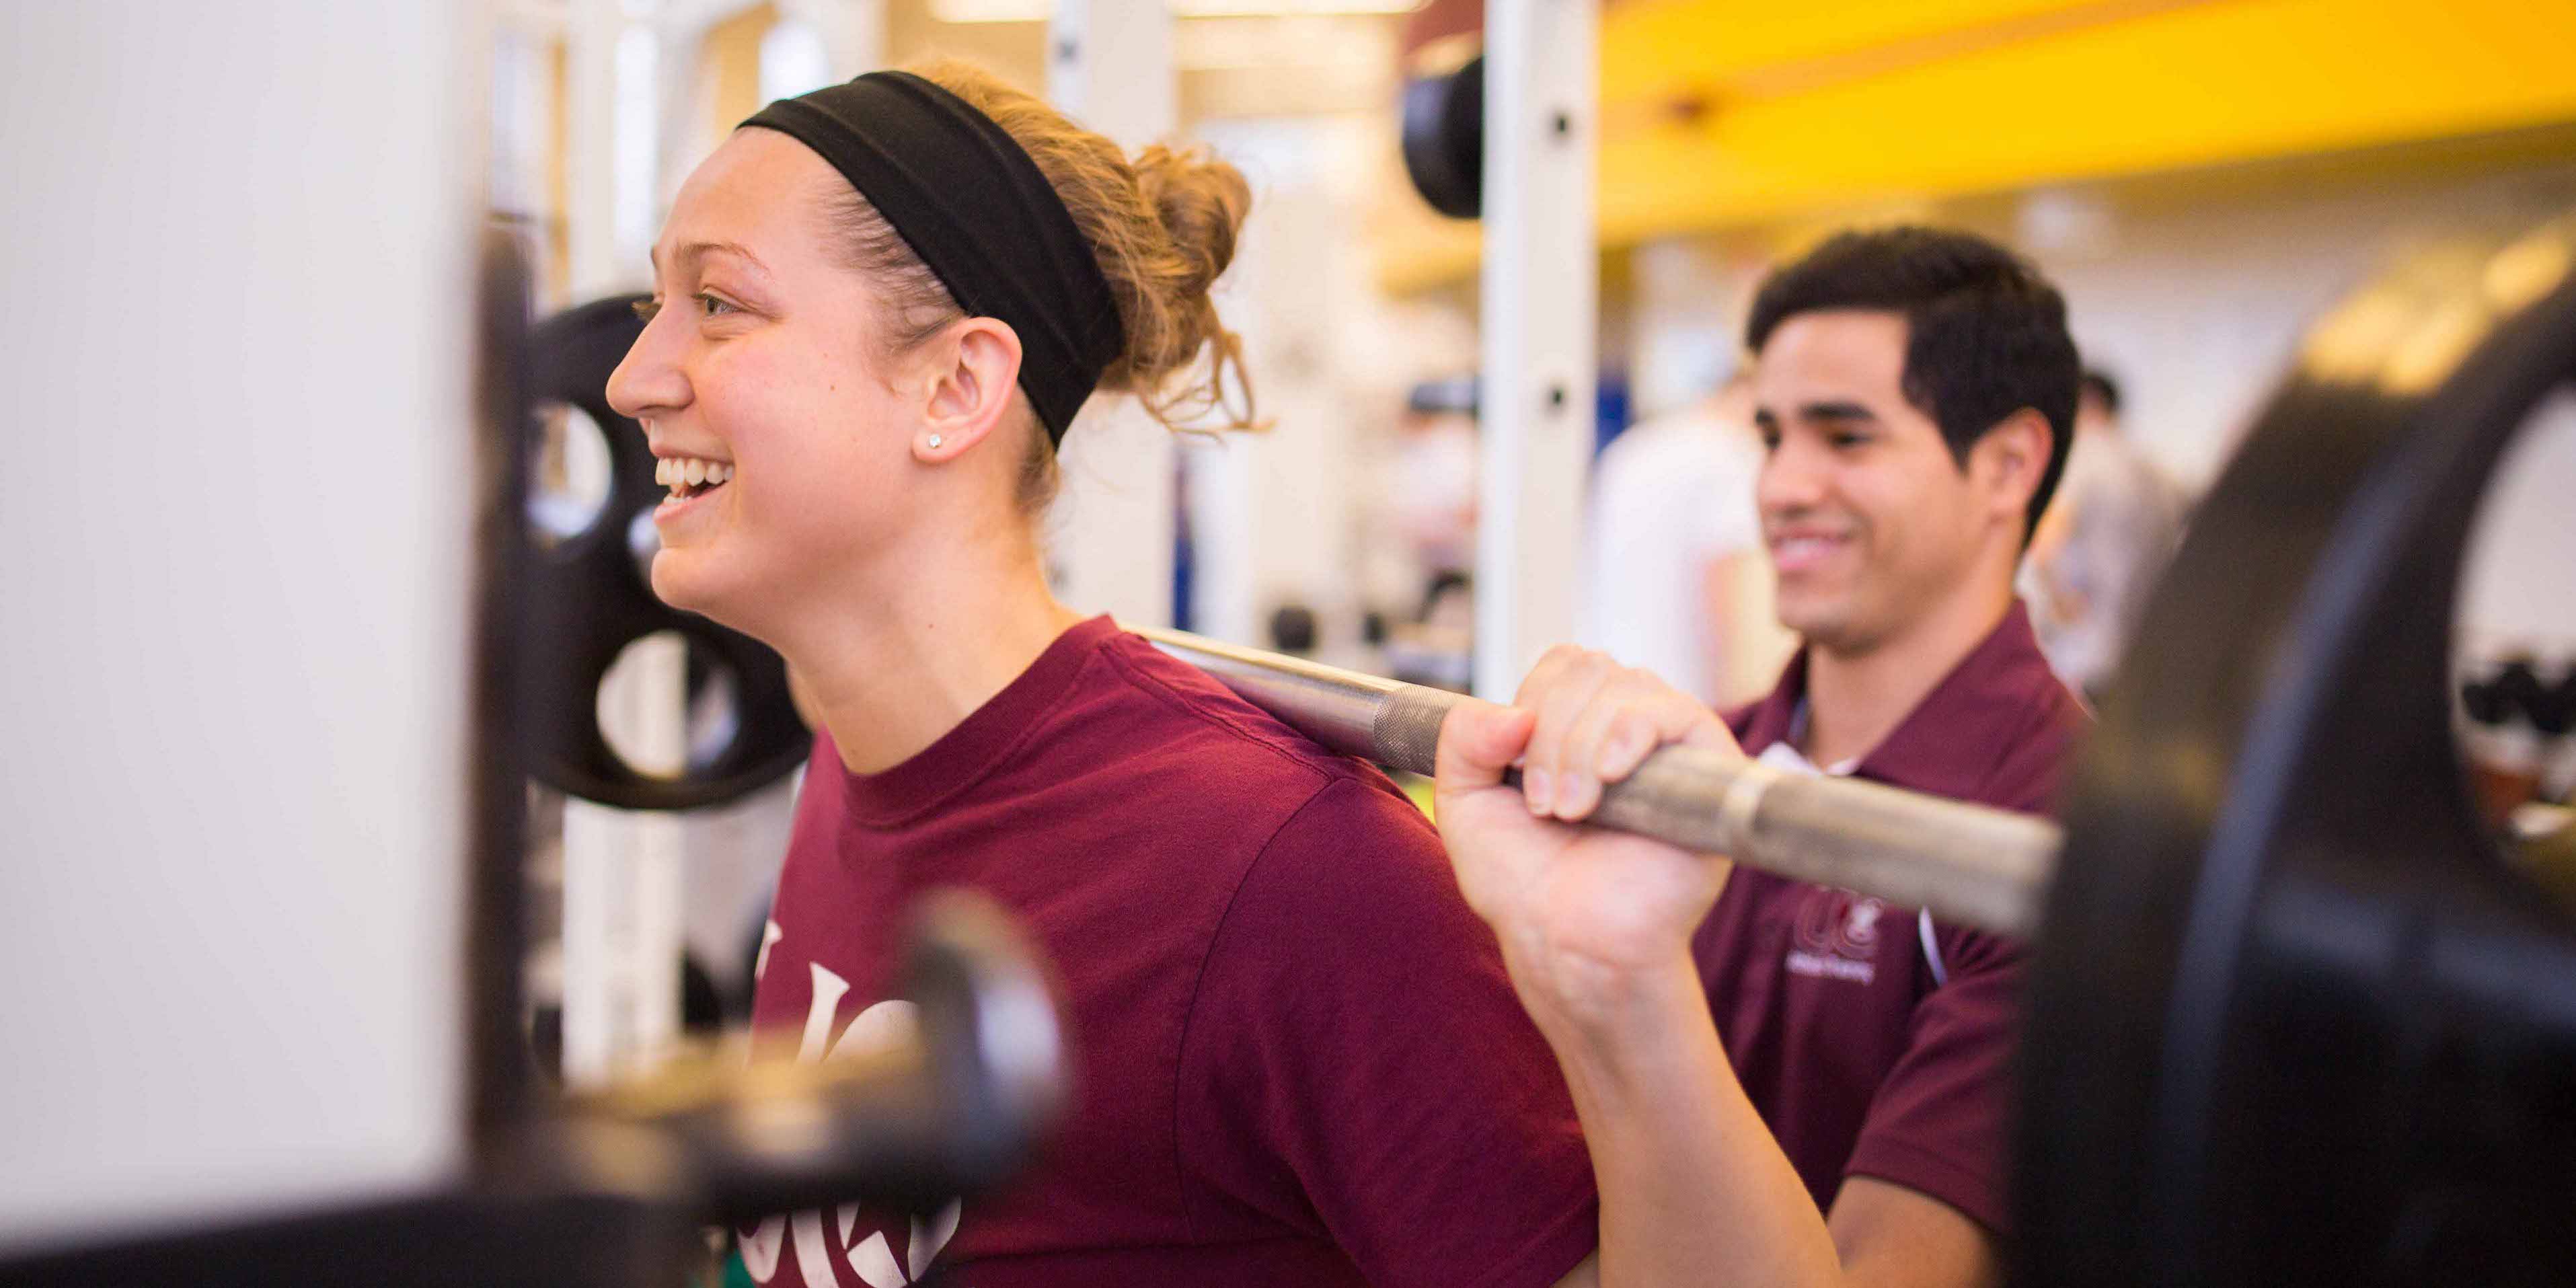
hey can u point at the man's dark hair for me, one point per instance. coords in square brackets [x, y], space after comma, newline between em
[1985, 333]
[2104, 389]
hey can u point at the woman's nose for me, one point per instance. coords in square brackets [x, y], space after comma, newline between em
[648, 380]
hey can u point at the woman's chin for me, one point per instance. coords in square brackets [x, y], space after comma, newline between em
[685, 582]
[683, 587]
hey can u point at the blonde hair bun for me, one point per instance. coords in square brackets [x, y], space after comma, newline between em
[1163, 226]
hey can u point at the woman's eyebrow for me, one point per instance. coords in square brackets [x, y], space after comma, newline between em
[689, 253]
[698, 250]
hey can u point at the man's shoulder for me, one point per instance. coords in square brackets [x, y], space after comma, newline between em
[2037, 725]
[1998, 730]
[2026, 776]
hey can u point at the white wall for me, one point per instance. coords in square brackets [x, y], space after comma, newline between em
[1109, 536]
[2520, 591]
[2197, 305]
[236, 570]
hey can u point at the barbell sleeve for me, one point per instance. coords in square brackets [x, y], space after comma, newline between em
[1972, 865]
[960, 1101]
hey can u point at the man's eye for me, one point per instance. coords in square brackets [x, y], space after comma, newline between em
[645, 310]
[1770, 440]
[711, 305]
[1847, 440]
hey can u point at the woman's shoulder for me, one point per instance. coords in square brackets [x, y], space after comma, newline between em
[1223, 744]
[1139, 749]
[1182, 703]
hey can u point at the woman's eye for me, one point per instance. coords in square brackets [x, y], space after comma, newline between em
[710, 305]
[645, 310]
[1845, 442]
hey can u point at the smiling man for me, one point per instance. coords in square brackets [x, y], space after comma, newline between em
[1800, 1084]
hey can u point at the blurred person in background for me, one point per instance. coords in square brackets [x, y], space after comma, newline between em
[1675, 580]
[2102, 544]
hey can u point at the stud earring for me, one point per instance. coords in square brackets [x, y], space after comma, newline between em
[934, 441]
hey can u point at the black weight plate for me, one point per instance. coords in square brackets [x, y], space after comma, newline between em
[1444, 139]
[585, 600]
[2293, 1020]
[2553, 709]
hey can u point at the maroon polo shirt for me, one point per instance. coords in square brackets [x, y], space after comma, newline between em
[1295, 1054]
[1872, 1046]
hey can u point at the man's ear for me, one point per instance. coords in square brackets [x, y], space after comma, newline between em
[974, 369]
[2010, 460]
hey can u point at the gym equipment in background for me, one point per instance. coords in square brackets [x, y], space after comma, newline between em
[588, 598]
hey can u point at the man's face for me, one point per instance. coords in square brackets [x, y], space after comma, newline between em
[1870, 521]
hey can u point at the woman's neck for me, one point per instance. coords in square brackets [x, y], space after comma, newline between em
[890, 671]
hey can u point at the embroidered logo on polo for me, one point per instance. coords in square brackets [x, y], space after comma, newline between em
[871, 1258]
[1836, 936]
[1836, 933]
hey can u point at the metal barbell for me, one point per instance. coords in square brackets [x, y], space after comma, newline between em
[1970, 864]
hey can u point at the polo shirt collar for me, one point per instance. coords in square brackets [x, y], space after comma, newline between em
[1950, 743]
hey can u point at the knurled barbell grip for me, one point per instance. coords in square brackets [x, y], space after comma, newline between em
[1969, 864]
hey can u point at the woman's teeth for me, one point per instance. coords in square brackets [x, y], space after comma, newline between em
[682, 474]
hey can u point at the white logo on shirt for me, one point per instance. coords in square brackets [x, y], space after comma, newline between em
[883, 1025]
[1836, 936]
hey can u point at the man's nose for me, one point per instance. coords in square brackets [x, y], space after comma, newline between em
[1790, 479]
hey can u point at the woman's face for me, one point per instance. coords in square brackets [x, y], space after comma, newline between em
[760, 368]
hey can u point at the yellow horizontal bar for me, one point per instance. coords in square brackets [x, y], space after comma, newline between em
[2168, 88]
[1659, 47]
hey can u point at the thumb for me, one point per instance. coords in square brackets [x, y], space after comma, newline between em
[1478, 741]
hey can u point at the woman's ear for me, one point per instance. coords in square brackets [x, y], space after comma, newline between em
[974, 370]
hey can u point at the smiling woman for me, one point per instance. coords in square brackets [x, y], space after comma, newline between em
[1100, 279]
[877, 310]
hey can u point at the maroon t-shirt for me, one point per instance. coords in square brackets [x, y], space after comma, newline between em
[1869, 1050]
[1295, 1054]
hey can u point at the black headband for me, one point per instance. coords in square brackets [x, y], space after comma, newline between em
[968, 200]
